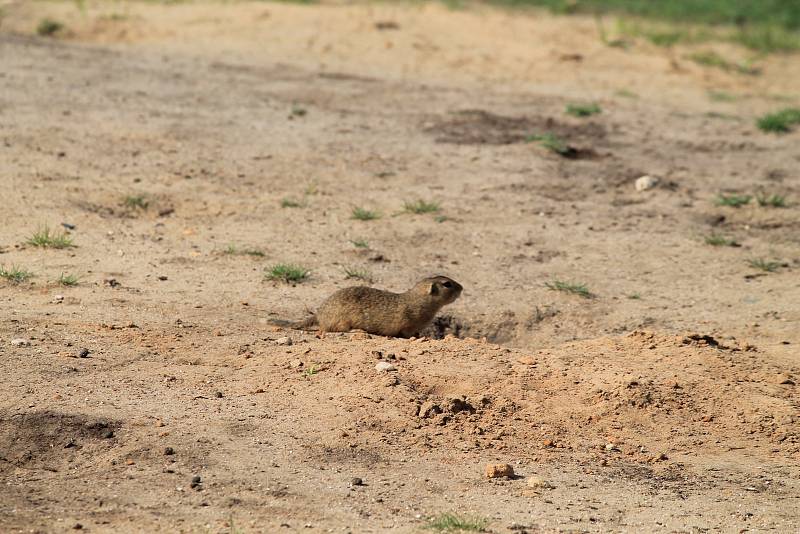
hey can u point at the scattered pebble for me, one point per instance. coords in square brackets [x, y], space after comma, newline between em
[77, 526]
[499, 470]
[108, 434]
[197, 482]
[20, 342]
[58, 298]
[296, 364]
[384, 367]
[218, 394]
[356, 481]
[169, 451]
[283, 341]
[645, 182]
[83, 353]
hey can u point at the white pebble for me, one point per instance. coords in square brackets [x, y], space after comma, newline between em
[645, 182]
[384, 367]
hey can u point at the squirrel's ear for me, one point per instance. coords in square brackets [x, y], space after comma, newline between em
[434, 289]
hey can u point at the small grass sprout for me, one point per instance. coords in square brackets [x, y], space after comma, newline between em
[779, 121]
[233, 250]
[420, 206]
[136, 202]
[764, 265]
[716, 240]
[67, 280]
[362, 214]
[733, 201]
[49, 27]
[583, 110]
[14, 274]
[771, 201]
[449, 522]
[286, 272]
[360, 243]
[46, 238]
[635, 296]
[712, 59]
[551, 142]
[358, 274]
[289, 202]
[569, 287]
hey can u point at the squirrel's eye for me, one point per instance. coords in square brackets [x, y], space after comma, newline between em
[447, 284]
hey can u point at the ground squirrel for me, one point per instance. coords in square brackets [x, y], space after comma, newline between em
[383, 312]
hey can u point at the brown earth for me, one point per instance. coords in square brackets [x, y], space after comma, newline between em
[666, 402]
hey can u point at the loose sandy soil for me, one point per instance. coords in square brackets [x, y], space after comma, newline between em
[666, 403]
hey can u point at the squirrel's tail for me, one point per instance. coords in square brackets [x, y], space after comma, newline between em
[305, 324]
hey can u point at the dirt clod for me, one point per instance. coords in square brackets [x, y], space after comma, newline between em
[498, 471]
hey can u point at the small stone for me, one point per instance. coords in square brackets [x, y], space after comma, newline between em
[429, 409]
[296, 364]
[283, 341]
[169, 451]
[108, 434]
[538, 483]
[384, 367]
[356, 481]
[218, 394]
[197, 482]
[83, 353]
[77, 526]
[129, 461]
[611, 447]
[58, 298]
[643, 183]
[548, 443]
[162, 278]
[20, 342]
[377, 354]
[499, 470]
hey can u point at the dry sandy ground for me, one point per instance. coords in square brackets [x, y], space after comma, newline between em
[673, 411]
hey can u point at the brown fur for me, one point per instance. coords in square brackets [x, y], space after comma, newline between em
[383, 312]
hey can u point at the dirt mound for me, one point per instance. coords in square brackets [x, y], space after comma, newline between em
[48, 440]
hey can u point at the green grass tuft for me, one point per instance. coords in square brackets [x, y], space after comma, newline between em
[49, 27]
[732, 200]
[710, 58]
[360, 243]
[286, 273]
[233, 250]
[569, 287]
[551, 142]
[420, 206]
[359, 274]
[448, 522]
[779, 121]
[136, 202]
[292, 203]
[772, 201]
[716, 240]
[14, 274]
[583, 110]
[635, 296]
[46, 238]
[68, 280]
[722, 96]
[764, 265]
[362, 214]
